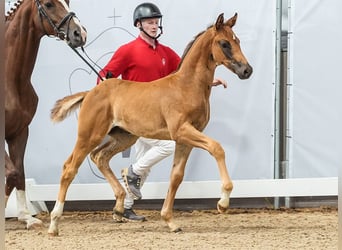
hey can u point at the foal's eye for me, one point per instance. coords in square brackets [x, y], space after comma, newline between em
[226, 48]
[225, 44]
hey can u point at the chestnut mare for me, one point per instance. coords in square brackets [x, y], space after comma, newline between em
[25, 25]
[175, 107]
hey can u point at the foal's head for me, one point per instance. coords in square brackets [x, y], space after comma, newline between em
[226, 48]
[55, 18]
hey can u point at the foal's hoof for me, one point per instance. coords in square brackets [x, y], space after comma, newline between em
[117, 216]
[221, 209]
[177, 230]
[53, 234]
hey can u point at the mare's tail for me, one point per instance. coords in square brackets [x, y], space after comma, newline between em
[65, 106]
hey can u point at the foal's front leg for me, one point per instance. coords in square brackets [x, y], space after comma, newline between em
[57, 210]
[69, 172]
[181, 156]
[191, 136]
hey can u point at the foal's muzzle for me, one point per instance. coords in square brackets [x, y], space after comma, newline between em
[244, 71]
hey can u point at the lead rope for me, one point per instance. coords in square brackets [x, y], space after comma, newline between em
[90, 66]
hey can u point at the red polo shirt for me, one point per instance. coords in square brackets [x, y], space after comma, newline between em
[139, 61]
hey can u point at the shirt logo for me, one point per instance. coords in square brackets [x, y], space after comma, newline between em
[163, 61]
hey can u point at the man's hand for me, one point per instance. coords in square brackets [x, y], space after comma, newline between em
[219, 81]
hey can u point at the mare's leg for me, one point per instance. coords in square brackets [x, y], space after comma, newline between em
[177, 173]
[10, 174]
[15, 177]
[188, 135]
[119, 141]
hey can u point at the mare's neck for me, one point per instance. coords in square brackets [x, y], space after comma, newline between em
[22, 41]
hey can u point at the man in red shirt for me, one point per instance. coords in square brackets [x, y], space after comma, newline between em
[144, 59]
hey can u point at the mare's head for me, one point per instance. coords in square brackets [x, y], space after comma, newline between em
[226, 48]
[55, 18]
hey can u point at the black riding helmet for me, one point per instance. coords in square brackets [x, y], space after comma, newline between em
[147, 10]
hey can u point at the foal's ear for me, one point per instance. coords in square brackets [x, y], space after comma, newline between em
[231, 22]
[219, 22]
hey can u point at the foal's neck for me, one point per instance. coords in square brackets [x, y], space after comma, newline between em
[198, 64]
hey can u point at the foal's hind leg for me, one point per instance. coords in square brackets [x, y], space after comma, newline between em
[119, 141]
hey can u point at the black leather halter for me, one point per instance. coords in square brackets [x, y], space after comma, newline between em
[57, 27]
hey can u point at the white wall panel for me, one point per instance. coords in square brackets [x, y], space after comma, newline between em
[315, 88]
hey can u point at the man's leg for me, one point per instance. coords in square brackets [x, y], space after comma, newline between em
[158, 150]
[129, 213]
[149, 152]
[140, 149]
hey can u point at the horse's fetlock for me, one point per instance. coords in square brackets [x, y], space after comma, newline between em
[13, 177]
[228, 187]
[165, 215]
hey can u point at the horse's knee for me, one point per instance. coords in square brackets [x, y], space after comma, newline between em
[14, 179]
[68, 174]
[177, 177]
[217, 151]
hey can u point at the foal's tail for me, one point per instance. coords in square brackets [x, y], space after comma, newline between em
[65, 106]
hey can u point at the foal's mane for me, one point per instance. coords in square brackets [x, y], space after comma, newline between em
[188, 47]
[11, 13]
